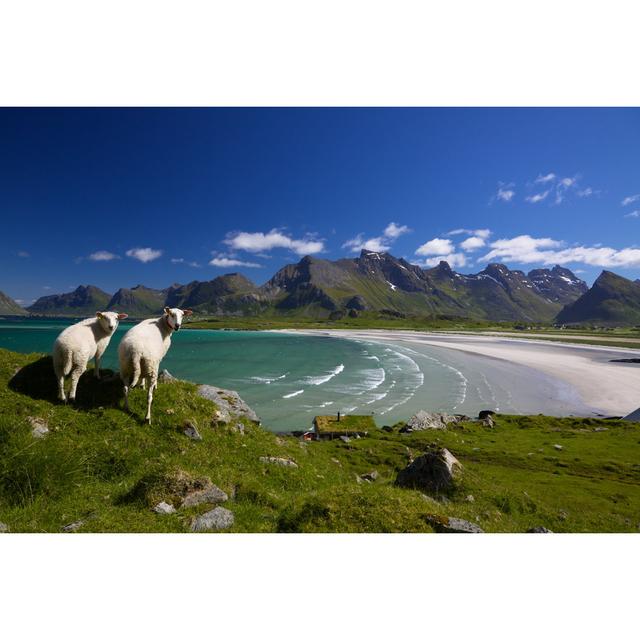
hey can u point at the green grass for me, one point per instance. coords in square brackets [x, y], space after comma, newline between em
[101, 464]
[347, 424]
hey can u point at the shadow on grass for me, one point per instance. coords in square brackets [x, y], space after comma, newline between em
[37, 380]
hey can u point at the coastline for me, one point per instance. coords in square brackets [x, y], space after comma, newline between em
[608, 387]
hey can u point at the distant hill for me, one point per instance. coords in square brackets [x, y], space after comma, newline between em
[612, 300]
[373, 281]
[84, 301]
[9, 307]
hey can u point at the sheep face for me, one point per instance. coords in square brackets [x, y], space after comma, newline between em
[109, 320]
[175, 316]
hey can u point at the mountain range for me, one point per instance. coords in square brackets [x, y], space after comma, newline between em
[377, 282]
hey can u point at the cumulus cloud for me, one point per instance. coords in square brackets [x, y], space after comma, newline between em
[103, 256]
[525, 249]
[437, 246]
[544, 179]
[633, 214]
[232, 262]
[586, 193]
[454, 260]
[538, 197]
[144, 254]
[630, 199]
[481, 233]
[379, 244]
[472, 243]
[275, 239]
[505, 193]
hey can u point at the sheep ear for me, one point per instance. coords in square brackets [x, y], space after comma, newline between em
[187, 312]
[122, 316]
[98, 314]
[167, 310]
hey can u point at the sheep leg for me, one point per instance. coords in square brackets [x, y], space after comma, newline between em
[61, 395]
[76, 372]
[126, 394]
[143, 383]
[152, 385]
[96, 371]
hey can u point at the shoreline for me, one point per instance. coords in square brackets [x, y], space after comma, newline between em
[608, 387]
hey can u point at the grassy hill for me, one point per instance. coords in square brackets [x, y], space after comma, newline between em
[103, 468]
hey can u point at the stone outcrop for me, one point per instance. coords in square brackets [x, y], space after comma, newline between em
[444, 524]
[425, 420]
[230, 405]
[216, 519]
[433, 471]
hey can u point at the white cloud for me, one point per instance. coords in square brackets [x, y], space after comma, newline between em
[472, 243]
[525, 249]
[454, 260]
[232, 262]
[103, 256]
[437, 246]
[544, 179]
[630, 199]
[177, 260]
[394, 230]
[144, 254]
[633, 214]
[586, 193]
[379, 244]
[505, 192]
[275, 239]
[538, 197]
[481, 233]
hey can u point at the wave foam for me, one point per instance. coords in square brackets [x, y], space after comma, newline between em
[295, 393]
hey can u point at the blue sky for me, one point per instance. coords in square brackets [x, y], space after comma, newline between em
[117, 197]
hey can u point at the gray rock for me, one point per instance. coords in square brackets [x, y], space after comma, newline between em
[229, 403]
[599, 429]
[210, 494]
[239, 428]
[425, 420]
[164, 508]
[283, 462]
[191, 431]
[74, 526]
[539, 530]
[3, 528]
[372, 476]
[443, 524]
[558, 447]
[434, 471]
[470, 498]
[218, 518]
[484, 413]
[345, 438]
[165, 376]
[39, 427]
[487, 421]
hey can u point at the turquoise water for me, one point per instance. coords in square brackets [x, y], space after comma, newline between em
[288, 378]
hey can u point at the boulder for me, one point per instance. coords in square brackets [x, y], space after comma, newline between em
[229, 403]
[210, 494]
[484, 413]
[218, 518]
[487, 421]
[433, 471]
[164, 508]
[165, 376]
[444, 524]
[558, 447]
[539, 530]
[425, 420]
[190, 430]
[283, 462]
[39, 426]
[372, 476]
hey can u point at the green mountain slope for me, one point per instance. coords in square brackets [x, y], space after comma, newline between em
[138, 301]
[84, 301]
[9, 307]
[612, 300]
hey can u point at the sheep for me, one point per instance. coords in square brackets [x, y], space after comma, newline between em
[80, 342]
[142, 349]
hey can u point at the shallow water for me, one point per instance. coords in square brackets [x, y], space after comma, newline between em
[289, 378]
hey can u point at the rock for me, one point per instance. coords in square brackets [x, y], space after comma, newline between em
[470, 498]
[425, 420]
[3, 528]
[170, 412]
[428, 499]
[39, 427]
[218, 518]
[599, 429]
[372, 476]
[283, 462]
[487, 421]
[220, 416]
[434, 471]
[210, 494]
[486, 413]
[190, 430]
[443, 524]
[165, 376]
[164, 508]
[558, 447]
[345, 438]
[228, 402]
[74, 526]
[563, 515]
[387, 428]
[539, 530]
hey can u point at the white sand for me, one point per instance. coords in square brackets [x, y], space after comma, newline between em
[609, 387]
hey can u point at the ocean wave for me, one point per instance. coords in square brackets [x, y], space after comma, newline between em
[377, 397]
[295, 393]
[318, 380]
[262, 380]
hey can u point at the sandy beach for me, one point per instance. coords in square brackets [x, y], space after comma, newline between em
[611, 388]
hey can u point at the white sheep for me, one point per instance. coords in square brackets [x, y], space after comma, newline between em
[141, 350]
[80, 342]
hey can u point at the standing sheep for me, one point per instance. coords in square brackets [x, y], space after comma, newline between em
[80, 342]
[142, 349]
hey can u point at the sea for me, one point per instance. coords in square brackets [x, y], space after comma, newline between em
[289, 378]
